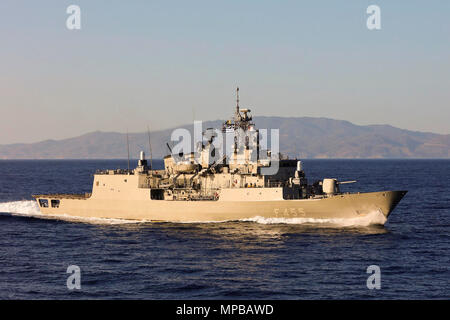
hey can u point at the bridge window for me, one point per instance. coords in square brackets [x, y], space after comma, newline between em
[157, 194]
[55, 203]
[43, 203]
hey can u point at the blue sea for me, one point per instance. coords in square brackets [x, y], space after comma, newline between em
[228, 260]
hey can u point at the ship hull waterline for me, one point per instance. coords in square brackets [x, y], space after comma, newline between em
[342, 206]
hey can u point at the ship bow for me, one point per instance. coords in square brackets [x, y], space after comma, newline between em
[392, 199]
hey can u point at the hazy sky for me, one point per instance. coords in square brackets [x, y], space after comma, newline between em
[135, 63]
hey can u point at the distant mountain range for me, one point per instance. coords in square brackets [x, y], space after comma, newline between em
[303, 137]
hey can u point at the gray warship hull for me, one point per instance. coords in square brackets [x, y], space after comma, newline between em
[342, 206]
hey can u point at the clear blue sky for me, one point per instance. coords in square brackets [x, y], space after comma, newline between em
[135, 63]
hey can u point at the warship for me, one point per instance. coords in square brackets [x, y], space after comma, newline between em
[206, 186]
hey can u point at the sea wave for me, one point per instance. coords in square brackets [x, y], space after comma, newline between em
[29, 208]
[22, 207]
[373, 218]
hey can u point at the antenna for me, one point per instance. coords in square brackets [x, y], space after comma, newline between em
[170, 149]
[150, 147]
[237, 101]
[128, 150]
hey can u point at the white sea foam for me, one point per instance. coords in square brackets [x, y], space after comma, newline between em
[29, 208]
[26, 207]
[372, 218]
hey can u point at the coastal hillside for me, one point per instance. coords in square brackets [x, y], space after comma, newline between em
[303, 137]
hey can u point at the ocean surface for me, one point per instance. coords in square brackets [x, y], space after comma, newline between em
[257, 259]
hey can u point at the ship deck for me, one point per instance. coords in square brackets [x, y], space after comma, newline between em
[63, 196]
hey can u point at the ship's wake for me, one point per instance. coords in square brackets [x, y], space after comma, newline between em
[29, 208]
[25, 207]
[372, 218]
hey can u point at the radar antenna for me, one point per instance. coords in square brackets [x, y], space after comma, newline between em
[237, 101]
[128, 150]
[150, 147]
